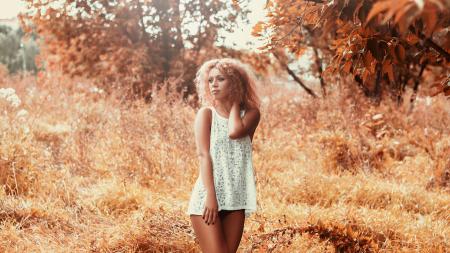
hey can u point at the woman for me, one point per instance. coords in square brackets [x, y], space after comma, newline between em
[224, 193]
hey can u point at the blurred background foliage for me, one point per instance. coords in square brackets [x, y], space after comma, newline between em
[134, 44]
[17, 54]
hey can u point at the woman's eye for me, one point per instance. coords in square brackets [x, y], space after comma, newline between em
[210, 80]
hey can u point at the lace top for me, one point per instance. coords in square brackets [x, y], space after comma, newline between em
[232, 165]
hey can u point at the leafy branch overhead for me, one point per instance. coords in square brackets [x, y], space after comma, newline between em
[385, 45]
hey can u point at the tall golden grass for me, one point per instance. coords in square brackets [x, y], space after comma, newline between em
[83, 171]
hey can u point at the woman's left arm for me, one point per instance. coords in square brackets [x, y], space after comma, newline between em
[237, 127]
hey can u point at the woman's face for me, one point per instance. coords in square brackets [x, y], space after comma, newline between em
[219, 85]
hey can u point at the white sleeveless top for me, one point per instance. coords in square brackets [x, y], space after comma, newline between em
[232, 166]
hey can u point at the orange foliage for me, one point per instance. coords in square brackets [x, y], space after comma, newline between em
[383, 44]
[130, 44]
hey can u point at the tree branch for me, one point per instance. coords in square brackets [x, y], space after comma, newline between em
[296, 78]
[366, 91]
[315, 1]
[318, 61]
[429, 42]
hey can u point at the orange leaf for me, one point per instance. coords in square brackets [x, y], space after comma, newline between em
[347, 67]
[377, 8]
[269, 4]
[300, 51]
[406, 8]
[393, 9]
[257, 28]
[431, 20]
[400, 52]
[412, 39]
[261, 227]
[366, 76]
[369, 62]
[359, 4]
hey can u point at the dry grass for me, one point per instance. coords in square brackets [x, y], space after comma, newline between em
[86, 172]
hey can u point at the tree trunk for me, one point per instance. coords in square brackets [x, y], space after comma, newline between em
[319, 69]
[377, 91]
[163, 8]
[416, 86]
[430, 43]
[178, 20]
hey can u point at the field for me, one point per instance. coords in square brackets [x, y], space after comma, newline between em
[84, 172]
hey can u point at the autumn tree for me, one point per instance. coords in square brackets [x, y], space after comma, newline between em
[132, 43]
[384, 45]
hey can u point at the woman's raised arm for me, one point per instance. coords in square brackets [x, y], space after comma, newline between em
[237, 127]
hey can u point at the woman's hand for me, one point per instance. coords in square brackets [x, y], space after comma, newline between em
[235, 106]
[210, 213]
[238, 102]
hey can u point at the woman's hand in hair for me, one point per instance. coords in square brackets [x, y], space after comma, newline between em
[236, 103]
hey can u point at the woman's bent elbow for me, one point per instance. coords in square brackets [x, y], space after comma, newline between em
[234, 135]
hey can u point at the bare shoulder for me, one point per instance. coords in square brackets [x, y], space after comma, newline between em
[204, 115]
[204, 111]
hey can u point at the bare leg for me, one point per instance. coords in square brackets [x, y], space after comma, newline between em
[211, 237]
[233, 228]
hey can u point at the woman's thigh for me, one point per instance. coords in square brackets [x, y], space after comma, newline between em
[233, 227]
[211, 237]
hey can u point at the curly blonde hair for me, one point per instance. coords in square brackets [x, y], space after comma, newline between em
[240, 75]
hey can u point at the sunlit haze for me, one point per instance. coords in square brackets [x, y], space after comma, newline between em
[10, 8]
[239, 38]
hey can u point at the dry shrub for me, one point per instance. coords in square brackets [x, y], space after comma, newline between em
[146, 235]
[158, 135]
[34, 224]
[18, 173]
[27, 214]
[114, 198]
[52, 136]
[17, 177]
[347, 237]
[285, 109]
[340, 154]
[3, 74]
[112, 175]
[365, 191]
[441, 177]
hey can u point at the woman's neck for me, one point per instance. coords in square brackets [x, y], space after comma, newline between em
[224, 106]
